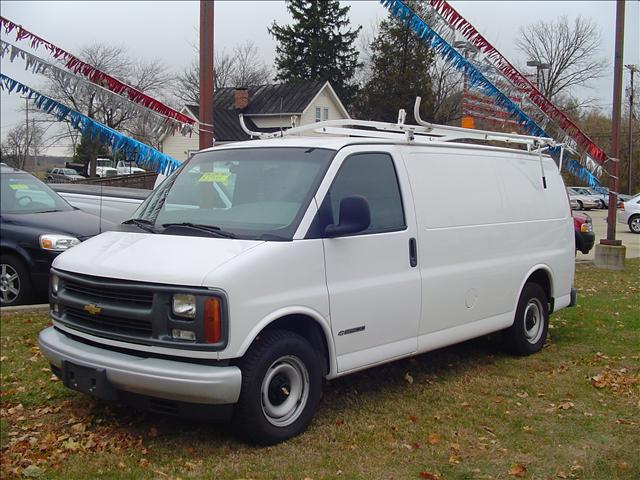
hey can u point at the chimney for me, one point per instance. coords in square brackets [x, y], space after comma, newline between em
[240, 98]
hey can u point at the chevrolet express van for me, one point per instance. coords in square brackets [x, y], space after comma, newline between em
[259, 269]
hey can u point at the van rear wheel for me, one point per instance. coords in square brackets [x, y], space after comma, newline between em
[281, 386]
[531, 323]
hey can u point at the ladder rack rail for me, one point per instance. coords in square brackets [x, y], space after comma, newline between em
[423, 133]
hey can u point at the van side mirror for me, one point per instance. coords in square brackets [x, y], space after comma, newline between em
[355, 217]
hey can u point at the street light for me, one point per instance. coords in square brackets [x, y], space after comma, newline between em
[540, 66]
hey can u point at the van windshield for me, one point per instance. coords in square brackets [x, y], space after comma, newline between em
[256, 193]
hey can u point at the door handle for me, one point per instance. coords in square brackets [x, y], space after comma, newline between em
[413, 252]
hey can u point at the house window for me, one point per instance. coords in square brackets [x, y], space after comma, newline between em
[318, 114]
[325, 114]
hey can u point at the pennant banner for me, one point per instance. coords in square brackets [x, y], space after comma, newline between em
[474, 76]
[146, 156]
[85, 89]
[460, 24]
[96, 76]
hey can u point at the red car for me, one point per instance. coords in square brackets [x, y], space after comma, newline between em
[585, 238]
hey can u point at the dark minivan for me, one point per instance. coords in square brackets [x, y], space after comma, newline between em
[36, 225]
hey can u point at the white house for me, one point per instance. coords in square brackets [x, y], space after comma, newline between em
[265, 108]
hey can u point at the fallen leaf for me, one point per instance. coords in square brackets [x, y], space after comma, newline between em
[517, 470]
[153, 432]
[565, 406]
[434, 438]
[408, 378]
[144, 463]
[429, 475]
[32, 471]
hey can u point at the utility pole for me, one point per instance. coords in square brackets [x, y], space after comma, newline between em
[206, 74]
[610, 253]
[632, 70]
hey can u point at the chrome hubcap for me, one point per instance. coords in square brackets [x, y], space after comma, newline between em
[635, 224]
[533, 321]
[9, 283]
[284, 391]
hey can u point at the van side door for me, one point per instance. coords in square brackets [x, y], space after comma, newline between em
[373, 283]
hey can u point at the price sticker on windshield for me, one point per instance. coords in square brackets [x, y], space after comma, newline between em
[215, 177]
[18, 186]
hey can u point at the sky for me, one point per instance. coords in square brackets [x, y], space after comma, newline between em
[167, 30]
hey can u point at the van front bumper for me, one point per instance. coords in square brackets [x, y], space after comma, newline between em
[153, 377]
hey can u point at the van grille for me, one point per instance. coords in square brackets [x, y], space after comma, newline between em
[94, 292]
[107, 322]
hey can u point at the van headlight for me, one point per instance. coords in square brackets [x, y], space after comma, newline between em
[184, 305]
[57, 243]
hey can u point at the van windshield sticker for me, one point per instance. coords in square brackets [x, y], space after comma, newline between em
[19, 186]
[216, 177]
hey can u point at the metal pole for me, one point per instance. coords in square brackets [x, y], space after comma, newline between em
[615, 127]
[26, 133]
[206, 74]
[633, 69]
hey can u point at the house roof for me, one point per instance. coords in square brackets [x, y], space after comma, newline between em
[274, 99]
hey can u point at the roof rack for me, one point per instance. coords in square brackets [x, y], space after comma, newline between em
[423, 133]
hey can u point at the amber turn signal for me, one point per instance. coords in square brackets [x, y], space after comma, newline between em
[212, 321]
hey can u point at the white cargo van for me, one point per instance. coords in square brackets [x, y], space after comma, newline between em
[262, 267]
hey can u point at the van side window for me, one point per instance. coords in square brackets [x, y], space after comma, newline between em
[373, 176]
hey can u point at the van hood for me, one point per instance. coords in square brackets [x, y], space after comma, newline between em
[156, 258]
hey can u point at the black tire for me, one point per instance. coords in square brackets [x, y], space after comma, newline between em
[285, 367]
[580, 205]
[602, 204]
[531, 323]
[15, 283]
[634, 223]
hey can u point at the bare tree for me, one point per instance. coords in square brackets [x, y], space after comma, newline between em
[570, 50]
[19, 144]
[147, 76]
[242, 68]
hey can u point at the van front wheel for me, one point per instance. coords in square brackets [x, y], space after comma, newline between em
[529, 330]
[281, 385]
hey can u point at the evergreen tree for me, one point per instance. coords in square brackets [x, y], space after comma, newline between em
[319, 45]
[88, 148]
[400, 66]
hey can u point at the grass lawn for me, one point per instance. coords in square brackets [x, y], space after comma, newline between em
[465, 412]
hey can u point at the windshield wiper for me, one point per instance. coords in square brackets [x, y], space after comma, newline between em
[212, 229]
[146, 225]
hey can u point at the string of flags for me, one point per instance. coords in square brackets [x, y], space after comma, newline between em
[477, 79]
[459, 23]
[144, 155]
[85, 89]
[93, 74]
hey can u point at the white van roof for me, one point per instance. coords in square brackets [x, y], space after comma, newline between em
[339, 142]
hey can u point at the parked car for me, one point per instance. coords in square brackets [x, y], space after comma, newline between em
[260, 268]
[601, 194]
[629, 213]
[105, 168]
[583, 227]
[585, 202]
[37, 225]
[128, 168]
[62, 175]
[115, 204]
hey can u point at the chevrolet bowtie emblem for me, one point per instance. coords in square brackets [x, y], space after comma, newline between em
[92, 308]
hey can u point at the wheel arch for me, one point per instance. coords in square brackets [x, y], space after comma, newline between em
[543, 276]
[307, 323]
[16, 250]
